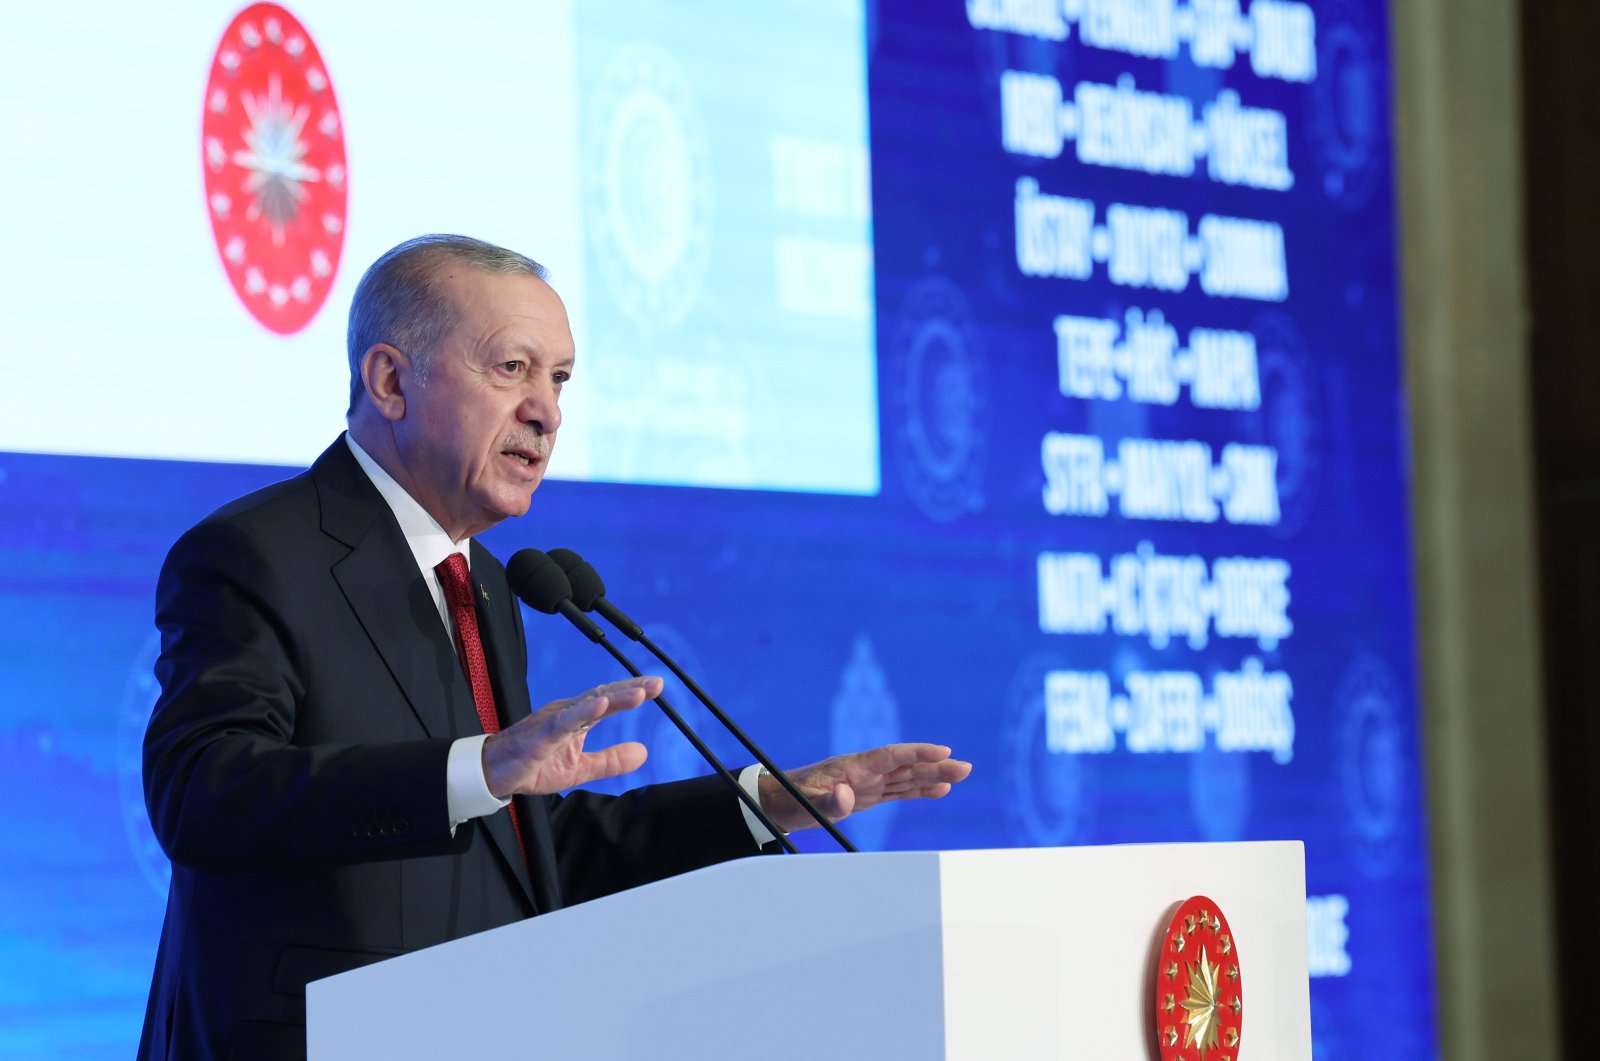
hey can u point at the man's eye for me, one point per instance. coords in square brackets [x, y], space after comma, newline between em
[511, 366]
[562, 377]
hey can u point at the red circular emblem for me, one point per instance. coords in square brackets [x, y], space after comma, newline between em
[272, 148]
[1199, 996]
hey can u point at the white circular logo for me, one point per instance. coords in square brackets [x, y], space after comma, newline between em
[651, 189]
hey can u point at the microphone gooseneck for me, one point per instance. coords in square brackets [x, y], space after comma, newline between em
[542, 585]
[589, 593]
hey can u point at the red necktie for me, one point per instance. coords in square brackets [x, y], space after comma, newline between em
[452, 572]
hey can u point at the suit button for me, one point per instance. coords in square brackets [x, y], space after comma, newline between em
[402, 826]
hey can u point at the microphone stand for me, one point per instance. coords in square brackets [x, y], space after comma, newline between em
[593, 632]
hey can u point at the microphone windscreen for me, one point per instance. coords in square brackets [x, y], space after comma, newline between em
[538, 580]
[586, 584]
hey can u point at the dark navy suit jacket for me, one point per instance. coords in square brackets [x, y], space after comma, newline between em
[294, 770]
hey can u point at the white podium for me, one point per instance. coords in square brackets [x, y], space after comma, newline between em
[960, 955]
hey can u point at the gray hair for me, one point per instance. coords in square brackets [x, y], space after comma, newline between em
[399, 300]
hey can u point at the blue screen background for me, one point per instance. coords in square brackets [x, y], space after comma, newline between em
[828, 622]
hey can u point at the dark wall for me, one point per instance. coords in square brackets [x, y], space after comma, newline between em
[1562, 99]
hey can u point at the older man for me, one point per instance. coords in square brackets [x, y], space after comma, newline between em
[344, 764]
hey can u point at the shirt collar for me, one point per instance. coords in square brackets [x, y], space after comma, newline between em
[429, 542]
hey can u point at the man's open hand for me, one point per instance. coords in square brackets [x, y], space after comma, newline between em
[544, 752]
[845, 784]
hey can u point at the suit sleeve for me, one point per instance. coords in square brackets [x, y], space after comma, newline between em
[227, 784]
[611, 843]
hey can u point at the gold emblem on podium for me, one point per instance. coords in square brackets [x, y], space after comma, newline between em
[1199, 997]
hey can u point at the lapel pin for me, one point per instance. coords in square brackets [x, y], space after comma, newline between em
[484, 592]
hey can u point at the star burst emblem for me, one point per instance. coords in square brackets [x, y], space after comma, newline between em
[1199, 1004]
[272, 150]
[275, 156]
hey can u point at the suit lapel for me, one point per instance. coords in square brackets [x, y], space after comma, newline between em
[381, 570]
[380, 581]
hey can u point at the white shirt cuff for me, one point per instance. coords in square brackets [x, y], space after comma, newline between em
[750, 781]
[467, 792]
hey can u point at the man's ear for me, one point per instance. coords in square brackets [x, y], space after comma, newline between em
[383, 369]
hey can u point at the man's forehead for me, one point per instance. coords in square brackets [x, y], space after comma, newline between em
[508, 311]
[467, 279]
[487, 299]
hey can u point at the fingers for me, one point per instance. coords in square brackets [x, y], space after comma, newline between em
[545, 752]
[844, 800]
[921, 779]
[927, 772]
[938, 791]
[574, 718]
[579, 714]
[604, 700]
[645, 688]
[618, 759]
[891, 757]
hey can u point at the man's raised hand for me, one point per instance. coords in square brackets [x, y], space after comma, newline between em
[544, 753]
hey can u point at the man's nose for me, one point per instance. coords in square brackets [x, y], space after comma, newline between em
[541, 408]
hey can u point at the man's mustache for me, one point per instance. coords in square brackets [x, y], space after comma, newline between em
[538, 445]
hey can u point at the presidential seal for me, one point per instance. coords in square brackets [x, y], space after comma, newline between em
[1199, 996]
[272, 150]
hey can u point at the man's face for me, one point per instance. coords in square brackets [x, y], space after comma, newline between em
[477, 434]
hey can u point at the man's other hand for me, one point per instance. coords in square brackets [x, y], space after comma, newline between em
[845, 784]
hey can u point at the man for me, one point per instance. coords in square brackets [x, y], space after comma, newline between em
[344, 764]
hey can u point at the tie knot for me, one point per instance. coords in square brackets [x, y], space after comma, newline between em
[452, 572]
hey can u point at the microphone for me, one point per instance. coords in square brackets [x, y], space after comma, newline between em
[541, 584]
[588, 593]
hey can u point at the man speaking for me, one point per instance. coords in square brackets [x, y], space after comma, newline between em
[344, 763]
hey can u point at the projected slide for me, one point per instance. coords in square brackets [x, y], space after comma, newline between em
[197, 195]
[1021, 375]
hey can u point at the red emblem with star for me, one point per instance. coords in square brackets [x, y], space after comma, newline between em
[1199, 995]
[272, 149]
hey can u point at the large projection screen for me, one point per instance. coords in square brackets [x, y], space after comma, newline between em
[1022, 376]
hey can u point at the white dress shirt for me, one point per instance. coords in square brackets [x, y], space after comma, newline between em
[467, 792]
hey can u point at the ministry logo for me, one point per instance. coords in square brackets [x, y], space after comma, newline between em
[1373, 762]
[650, 192]
[940, 400]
